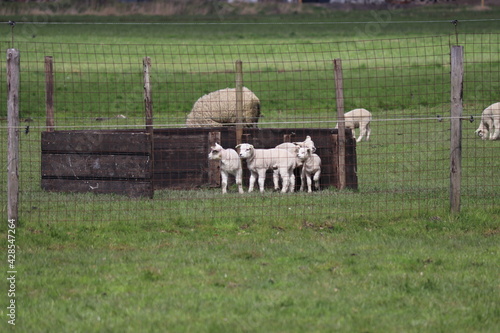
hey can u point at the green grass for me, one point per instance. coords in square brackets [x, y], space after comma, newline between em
[386, 258]
[359, 274]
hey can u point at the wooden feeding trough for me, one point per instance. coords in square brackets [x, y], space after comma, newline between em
[138, 162]
[135, 164]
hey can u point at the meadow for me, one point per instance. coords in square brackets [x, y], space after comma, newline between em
[388, 257]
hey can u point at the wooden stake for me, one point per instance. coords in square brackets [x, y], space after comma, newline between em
[49, 94]
[339, 92]
[148, 105]
[148, 101]
[457, 73]
[239, 101]
[13, 135]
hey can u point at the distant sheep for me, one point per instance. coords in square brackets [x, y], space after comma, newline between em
[261, 160]
[358, 118]
[311, 167]
[230, 163]
[218, 108]
[490, 122]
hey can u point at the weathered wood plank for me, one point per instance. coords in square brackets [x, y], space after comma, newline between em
[99, 166]
[129, 188]
[96, 142]
[180, 180]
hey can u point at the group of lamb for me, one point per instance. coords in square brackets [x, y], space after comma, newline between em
[283, 159]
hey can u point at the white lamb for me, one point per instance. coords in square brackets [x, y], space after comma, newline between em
[230, 163]
[490, 119]
[358, 118]
[293, 148]
[311, 168]
[261, 160]
[218, 108]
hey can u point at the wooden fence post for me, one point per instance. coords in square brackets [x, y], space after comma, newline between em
[339, 93]
[13, 135]
[239, 101]
[49, 94]
[148, 105]
[457, 72]
[214, 166]
[148, 101]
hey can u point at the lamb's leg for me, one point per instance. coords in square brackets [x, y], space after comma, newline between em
[262, 179]
[309, 181]
[224, 175]
[496, 125]
[362, 132]
[276, 179]
[251, 183]
[285, 177]
[368, 132]
[238, 179]
[317, 175]
[292, 182]
[302, 180]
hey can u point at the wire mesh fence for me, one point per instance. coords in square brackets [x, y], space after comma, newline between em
[99, 135]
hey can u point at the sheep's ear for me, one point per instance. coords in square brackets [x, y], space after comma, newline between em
[238, 146]
[313, 149]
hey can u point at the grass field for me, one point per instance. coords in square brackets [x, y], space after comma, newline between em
[388, 257]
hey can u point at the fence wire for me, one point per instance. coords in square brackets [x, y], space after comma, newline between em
[99, 89]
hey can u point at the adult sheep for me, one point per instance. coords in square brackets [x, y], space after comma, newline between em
[358, 118]
[490, 122]
[218, 108]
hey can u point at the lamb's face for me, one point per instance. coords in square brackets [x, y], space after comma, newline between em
[215, 152]
[304, 153]
[246, 150]
[482, 132]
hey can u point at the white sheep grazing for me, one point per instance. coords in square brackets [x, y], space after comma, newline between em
[311, 167]
[261, 160]
[230, 163]
[358, 118]
[219, 107]
[490, 119]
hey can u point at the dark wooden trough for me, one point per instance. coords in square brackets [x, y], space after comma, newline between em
[136, 163]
